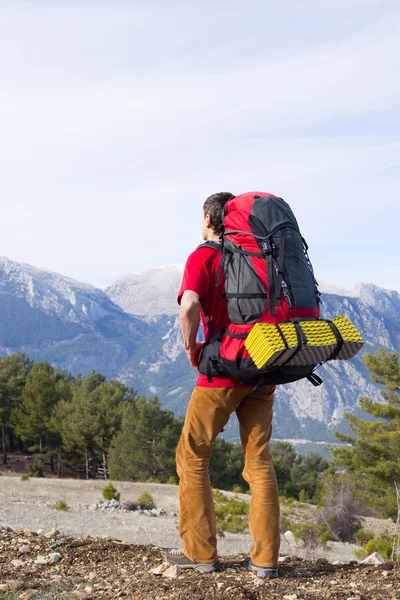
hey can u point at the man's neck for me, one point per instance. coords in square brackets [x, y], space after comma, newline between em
[212, 237]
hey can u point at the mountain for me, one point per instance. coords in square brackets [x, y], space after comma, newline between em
[131, 331]
[148, 294]
[73, 325]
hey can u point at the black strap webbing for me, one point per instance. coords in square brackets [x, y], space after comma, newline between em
[208, 367]
[208, 320]
[301, 339]
[339, 340]
[235, 295]
[314, 379]
[240, 336]
[280, 269]
[271, 284]
[239, 250]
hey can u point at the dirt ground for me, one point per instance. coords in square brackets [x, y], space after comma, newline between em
[28, 505]
[108, 568]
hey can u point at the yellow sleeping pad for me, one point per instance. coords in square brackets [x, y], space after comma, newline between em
[273, 345]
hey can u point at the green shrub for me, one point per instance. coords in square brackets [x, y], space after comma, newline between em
[302, 496]
[238, 489]
[24, 477]
[325, 537]
[231, 513]
[110, 492]
[287, 524]
[309, 533]
[362, 536]
[60, 505]
[153, 479]
[171, 480]
[35, 469]
[145, 501]
[380, 545]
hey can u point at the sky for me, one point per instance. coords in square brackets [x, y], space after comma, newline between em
[118, 119]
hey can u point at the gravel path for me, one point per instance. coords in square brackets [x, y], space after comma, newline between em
[27, 505]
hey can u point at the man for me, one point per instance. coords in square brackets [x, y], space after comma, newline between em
[209, 409]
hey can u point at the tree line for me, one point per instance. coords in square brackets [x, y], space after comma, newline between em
[86, 426]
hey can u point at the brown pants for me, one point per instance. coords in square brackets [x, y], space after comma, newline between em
[208, 411]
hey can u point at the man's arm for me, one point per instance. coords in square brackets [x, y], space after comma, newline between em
[190, 320]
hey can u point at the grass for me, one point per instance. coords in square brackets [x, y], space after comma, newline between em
[60, 505]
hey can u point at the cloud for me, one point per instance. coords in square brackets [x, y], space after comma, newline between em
[118, 122]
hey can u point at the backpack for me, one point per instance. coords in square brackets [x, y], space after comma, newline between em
[268, 279]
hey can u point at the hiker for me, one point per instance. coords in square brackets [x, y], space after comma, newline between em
[212, 402]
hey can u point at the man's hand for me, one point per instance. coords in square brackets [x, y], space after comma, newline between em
[193, 353]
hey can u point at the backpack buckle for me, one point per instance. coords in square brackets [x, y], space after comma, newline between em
[266, 248]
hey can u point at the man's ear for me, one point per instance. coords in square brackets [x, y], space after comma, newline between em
[207, 220]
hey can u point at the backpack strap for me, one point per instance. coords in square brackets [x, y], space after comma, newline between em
[219, 248]
[211, 244]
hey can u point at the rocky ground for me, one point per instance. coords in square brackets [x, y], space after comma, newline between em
[103, 551]
[55, 567]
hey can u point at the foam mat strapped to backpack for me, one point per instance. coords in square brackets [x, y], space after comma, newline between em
[303, 343]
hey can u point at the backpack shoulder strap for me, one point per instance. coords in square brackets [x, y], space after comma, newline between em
[215, 245]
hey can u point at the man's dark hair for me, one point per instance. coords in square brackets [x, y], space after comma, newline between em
[213, 206]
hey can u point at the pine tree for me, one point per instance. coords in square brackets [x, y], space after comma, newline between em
[89, 421]
[145, 446]
[13, 373]
[31, 418]
[372, 459]
[75, 419]
[107, 399]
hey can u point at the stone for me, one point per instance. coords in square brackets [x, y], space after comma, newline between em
[283, 559]
[289, 537]
[160, 570]
[14, 584]
[157, 512]
[18, 563]
[23, 549]
[290, 597]
[55, 557]
[40, 560]
[92, 575]
[172, 572]
[52, 533]
[322, 561]
[373, 559]
[40, 531]
[88, 589]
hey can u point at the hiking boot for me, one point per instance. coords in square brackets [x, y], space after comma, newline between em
[176, 557]
[267, 572]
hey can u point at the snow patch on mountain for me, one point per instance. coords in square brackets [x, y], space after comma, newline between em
[53, 293]
[150, 293]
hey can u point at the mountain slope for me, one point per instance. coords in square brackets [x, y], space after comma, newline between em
[72, 325]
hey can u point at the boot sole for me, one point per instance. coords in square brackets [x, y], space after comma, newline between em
[203, 568]
[263, 573]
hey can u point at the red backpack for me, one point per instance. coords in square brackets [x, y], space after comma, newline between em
[268, 279]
